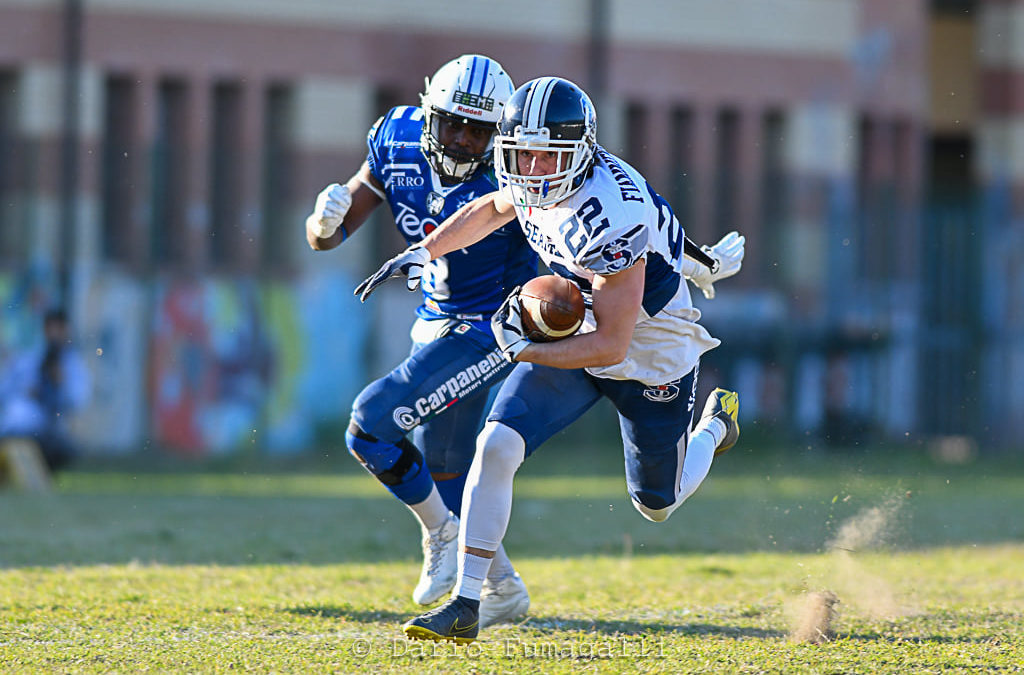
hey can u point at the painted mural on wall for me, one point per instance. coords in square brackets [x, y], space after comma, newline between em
[24, 298]
[110, 324]
[205, 367]
[235, 364]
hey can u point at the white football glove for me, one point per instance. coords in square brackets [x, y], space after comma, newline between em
[507, 326]
[331, 206]
[729, 253]
[409, 264]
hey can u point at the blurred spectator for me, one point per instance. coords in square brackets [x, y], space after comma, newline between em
[40, 387]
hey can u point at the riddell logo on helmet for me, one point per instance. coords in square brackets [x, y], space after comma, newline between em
[468, 111]
[473, 100]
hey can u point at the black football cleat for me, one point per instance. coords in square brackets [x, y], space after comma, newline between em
[457, 620]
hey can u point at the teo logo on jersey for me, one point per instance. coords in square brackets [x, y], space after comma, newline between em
[471, 282]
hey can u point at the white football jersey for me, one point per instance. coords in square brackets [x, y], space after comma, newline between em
[613, 221]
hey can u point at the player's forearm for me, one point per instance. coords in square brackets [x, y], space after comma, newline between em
[616, 306]
[465, 227]
[589, 350]
[326, 243]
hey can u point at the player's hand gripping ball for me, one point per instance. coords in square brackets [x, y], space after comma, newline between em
[553, 308]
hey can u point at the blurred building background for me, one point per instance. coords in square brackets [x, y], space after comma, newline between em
[157, 160]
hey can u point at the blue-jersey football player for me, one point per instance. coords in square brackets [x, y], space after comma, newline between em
[426, 162]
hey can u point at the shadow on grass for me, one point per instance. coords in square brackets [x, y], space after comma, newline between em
[918, 639]
[543, 624]
[350, 614]
[645, 628]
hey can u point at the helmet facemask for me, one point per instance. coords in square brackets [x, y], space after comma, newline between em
[572, 161]
[450, 162]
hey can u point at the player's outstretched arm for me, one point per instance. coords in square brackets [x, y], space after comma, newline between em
[617, 299]
[469, 224]
[340, 210]
[465, 227]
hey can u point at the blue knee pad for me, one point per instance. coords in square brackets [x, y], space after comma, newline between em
[400, 467]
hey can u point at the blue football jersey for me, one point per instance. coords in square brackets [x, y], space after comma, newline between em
[470, 283]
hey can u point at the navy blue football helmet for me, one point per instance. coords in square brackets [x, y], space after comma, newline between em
[548, 114]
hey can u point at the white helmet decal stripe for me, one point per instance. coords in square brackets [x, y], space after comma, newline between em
[537, 102]
[473, 62]
[483, 76]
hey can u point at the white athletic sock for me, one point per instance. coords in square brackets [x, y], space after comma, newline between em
[699, 453]
[713, 426]
[501, 566]
[431, 512]
[472, 571]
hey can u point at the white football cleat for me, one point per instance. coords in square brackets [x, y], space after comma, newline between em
[502, 601]
[440, 563]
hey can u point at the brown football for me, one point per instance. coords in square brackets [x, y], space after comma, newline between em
[553, 308]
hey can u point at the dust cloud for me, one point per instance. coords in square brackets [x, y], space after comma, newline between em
[846, 578]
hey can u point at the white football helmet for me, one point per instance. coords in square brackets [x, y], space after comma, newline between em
[548, 114]
[471, 89]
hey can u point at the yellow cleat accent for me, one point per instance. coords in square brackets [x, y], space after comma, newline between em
[725, 406]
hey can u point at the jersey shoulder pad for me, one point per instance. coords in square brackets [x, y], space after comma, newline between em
[614, 249]
[371, 136]
[396, 131]
[402, 124]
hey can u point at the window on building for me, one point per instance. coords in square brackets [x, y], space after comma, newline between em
[876, 197]
[169, 173]
[277, 230]
[225, 172]
[386, 98]
[726, 170]
[118, 172]
[636, 136]
[681, 154]
[954, 7]
[774, 190]
[12, 239]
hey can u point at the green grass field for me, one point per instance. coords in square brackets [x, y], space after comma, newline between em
[221, 569]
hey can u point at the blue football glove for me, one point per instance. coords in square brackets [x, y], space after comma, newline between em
[507, 326]
[409, 264]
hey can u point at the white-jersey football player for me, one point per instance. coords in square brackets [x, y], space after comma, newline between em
[593, 219]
